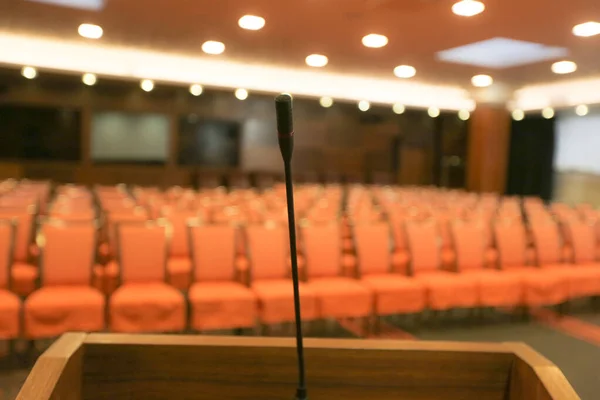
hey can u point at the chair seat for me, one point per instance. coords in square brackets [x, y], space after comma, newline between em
[179, 272]
[396, 294]
[52, 311]
[544, 285]
[276, 301]
[221, 305]
[24, 277]
[499, 288]
[147, 307]
[584, 280]
[340, 297]
[10, 307]
[446, 290]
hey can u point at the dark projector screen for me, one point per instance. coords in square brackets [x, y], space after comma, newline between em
[211, 143]
[39, 133]
[119, 137]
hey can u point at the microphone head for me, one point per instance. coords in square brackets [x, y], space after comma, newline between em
[283, 110]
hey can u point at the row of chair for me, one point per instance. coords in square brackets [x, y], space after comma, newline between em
[233, 289]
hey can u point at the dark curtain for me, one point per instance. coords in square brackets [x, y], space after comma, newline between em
[531, 157]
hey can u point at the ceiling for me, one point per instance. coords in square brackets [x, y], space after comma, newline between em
[417, 30]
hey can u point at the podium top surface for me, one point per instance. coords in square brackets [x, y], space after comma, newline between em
[122, 366]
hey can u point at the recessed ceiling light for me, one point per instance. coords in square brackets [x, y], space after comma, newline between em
[581, 110]
[374, 40]
[241, 94]
[147, 85]
[251, 22]
[548, 112]
[398, 108]
[90, 31]
[316, 60]
[464, 115]
[196, 90]
[364, 105]
[482, 80]
[564, 67]
[405, 71]
[468, 8]
[213, 47]
[433, 112]
[518, 115]
[29, 72]
[326, 101]
[587, 29]
[89, 79]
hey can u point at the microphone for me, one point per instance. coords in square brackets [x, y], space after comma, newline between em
[285, 135]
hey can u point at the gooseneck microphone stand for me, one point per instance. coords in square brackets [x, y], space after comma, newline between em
[285, 134]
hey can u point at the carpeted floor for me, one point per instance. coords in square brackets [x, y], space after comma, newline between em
[572, 342]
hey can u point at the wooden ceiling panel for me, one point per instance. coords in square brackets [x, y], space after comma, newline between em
[416, 29]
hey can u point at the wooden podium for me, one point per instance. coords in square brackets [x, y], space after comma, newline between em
[155, 367]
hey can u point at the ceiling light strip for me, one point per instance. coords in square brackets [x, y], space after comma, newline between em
[22, 50]
[561, 94]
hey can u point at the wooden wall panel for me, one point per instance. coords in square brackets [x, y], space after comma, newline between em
[340, 139]
[414, 168]
[11, 170]
[489, 139]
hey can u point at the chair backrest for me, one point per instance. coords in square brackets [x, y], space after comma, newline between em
[68, 252]
[180, 243]
[399, 233]
[583, 240]
[322, 246]
[511, 242]
[113, 219]
[268, 249]
[7, 238]
[469, 239]
[72, 214]
[24, 230]
[374, 244]
[424, 244]
[213, 251]
[547, 241]
[142, 250]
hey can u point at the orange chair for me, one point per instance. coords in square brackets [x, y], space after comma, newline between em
[431, 266]
[10, 305]
[144, 302]
[179, 265]
[111, 220]
[396, 220]
[71, 214]
[383, 272]
[24, 273]
[476, 258]
[66, 301]
[219, 297]
[542, 287]
[585, 276]
[268, 252]
[332, 274]
[108, 249]
[557, 258]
